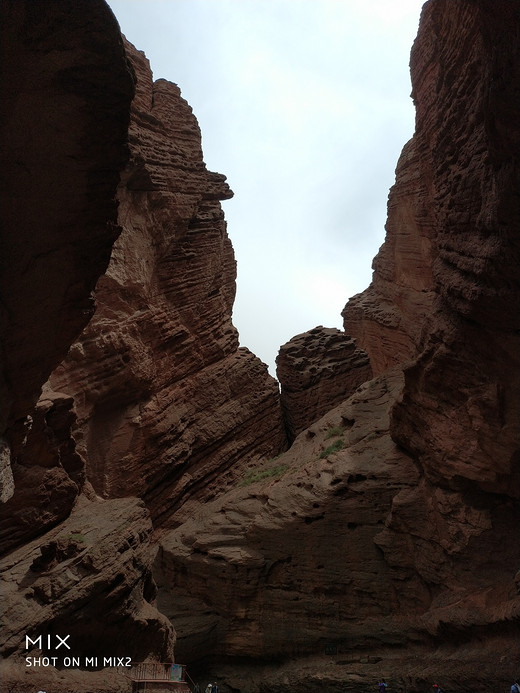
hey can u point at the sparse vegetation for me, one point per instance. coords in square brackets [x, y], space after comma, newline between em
[77, 536]
[335, 447]
[335, 431]
[255, 475]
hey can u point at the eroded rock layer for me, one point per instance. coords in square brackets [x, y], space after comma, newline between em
[74, 564]
[317, 370]
[161, 389]
[89, 578]
[66, 89]
[386, 539]
[66, 92]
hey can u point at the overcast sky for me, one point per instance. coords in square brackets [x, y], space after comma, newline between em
[305, 106]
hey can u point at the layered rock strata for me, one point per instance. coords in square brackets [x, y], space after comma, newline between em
[383, 541]
[161, 388]
[290, 579]
[89, 578]
[421, 577]
[67, 88]
[66, 91]
[317, 370]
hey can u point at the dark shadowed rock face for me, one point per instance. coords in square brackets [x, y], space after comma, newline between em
[384, 541]
[90, 577]
[461, 406]
[66, 91]
[317, 370]
[160, 385]
[72, 565]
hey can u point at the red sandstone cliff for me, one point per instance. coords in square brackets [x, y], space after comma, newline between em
[66, 89]
[162, 390]
[384, 540]
[388, 533]
[160, 401]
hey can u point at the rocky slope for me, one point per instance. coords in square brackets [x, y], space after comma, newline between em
[155, 399]
[386, 537]
[148, 494]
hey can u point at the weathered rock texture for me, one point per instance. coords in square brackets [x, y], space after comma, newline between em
[163, 403]
[317, 370]
[266, 578]
[385, 541]
[66, 90]
[162, 390]
[89, 578]
[389, 531]
[66, 94]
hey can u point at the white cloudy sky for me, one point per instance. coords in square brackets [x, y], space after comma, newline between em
[304, 105]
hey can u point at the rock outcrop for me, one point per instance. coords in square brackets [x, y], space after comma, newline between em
[317, 370]
[385, 540]
[82, 566]
[161, 401]
[161, 388]
[66, 90]
[89, 578]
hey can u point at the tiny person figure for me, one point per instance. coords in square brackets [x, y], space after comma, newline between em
[515, 688]
[382, 686]
[196, 689]
[215, 688]
[208, 688]
[436, 688]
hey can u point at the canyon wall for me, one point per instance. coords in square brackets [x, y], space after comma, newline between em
[155, 409]
[385, 541]
[66, 90]
[150, 509]
[72, 564]
[169, 408]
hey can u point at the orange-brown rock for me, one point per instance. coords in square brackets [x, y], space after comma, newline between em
[317, 370]
[48, 474]
[160, 385]
[384, 541]
[461, 406]
[388, 319]
[64, 128]
[66, 93]
[343, 562]
[66, 90]
[387, 535]
[89, 578]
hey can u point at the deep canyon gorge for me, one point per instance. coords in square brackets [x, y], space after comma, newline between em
[163, 496]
